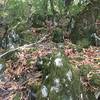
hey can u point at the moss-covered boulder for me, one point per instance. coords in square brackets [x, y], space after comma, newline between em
[60, 80]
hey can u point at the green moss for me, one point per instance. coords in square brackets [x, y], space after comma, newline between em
[76, 9]
[17, 96]
[95, 80]
[67, 77]
[57, 36]
[79, 58]
[27, 37]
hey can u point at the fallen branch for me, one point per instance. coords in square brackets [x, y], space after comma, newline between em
[25, 46]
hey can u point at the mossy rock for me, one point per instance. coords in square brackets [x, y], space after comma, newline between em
[27, 37]
[60, 79]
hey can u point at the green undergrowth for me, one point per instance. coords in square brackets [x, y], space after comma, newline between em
[61, 81]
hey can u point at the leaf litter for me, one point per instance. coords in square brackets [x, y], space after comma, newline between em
[23, 73]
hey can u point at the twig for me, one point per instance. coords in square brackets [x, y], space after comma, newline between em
[25, 46]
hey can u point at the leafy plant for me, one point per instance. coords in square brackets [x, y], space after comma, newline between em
[57, 36]
[84, 70]
[83, 43]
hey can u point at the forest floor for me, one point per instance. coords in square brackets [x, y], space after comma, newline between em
[21, 72]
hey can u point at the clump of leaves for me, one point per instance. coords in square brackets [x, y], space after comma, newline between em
[95, 80]
[76, 9]
[57, 36]
[61, 80]
[85, 69]
[84, 43]
[37, 20]
[23, 72]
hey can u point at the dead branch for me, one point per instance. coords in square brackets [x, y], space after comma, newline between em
[25, 46]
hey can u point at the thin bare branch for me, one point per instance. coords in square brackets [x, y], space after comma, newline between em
[25, 46]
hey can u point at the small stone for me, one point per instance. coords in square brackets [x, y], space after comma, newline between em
[57, 82]
[58, 62]
[1, 66]
[81, 96]
[69, 75]
[44, 91]
[58, 54]
[56, 85]
[41, 62]
[53, 88]
[47, 76]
